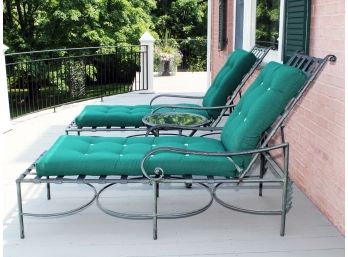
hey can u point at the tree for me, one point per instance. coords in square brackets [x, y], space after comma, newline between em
[41, 24]
[267, 22]
[183, 18]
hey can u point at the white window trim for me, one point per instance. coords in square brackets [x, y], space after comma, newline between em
[209, 42]
[249, 30]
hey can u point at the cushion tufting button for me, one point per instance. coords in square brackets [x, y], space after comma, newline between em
[185, 144]
[268, 89]
[245, 119]
[124, 145]
[239, 113]
[121, 155]
[151, 155]
[187, 155]
[153, 145]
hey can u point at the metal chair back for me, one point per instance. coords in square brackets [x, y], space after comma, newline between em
[311, 66]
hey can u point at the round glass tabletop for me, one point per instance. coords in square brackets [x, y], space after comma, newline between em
[175, 118]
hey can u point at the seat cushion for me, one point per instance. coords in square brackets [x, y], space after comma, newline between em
[82, 155]
[229, 77]
[259, 107]
[123, 115]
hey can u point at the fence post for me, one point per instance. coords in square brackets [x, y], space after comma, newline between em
[147, 55]
[5, 120]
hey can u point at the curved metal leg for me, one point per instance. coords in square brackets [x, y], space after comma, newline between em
[240, 209]
[142, 216]
[64, 213]
[20, 210]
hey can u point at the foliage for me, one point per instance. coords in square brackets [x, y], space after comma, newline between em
[43, 24]
[77, 78]
[194, 53]
[197, 63]
[167, 50]
[181, 119]
[184, 18]
[267, 22]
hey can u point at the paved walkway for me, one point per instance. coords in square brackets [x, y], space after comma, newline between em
[181, 82]
[217, 232]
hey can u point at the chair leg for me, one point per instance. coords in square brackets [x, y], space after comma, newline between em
[284, 201]
[48, 187]
[20, 210]
[285, 191]
[262, 173]
[154, 210]
[188, 185]
[157, 190]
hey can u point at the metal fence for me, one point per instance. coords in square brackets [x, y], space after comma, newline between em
[46, 79]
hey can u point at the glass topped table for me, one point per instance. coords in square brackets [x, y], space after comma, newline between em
[175, 118]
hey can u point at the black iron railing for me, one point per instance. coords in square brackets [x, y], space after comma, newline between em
[45, 79]
[273, 44]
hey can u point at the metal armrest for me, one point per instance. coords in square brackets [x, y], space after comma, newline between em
[159, 173]
[166, 126]
[194, 107]
[212, 133]
[176, 96]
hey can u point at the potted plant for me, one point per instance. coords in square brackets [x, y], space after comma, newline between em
[167, 56]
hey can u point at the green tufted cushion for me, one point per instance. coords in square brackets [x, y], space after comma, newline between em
[76, 155]
[259, 107]
[123, 115]
[229, 77]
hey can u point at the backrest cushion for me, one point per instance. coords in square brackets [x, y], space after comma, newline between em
[261, 104]
[226, 81]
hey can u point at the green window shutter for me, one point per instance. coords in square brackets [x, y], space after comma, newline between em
[296, 27]
[222, 24]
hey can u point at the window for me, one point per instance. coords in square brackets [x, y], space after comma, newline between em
[280, 24]
[267, 23]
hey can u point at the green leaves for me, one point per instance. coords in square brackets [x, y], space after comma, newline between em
[267, 22]
[48, 24]
[184, 18]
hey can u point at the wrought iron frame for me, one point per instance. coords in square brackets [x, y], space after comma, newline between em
[310, 65]
[259, 52]
[210, 183]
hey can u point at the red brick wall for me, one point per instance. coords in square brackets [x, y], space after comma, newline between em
[219, 57]
[315, 130]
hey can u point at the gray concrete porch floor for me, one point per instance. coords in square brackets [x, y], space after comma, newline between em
[217, 232]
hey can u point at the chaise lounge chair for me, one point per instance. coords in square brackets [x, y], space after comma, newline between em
[245, 139]
[240, 64]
